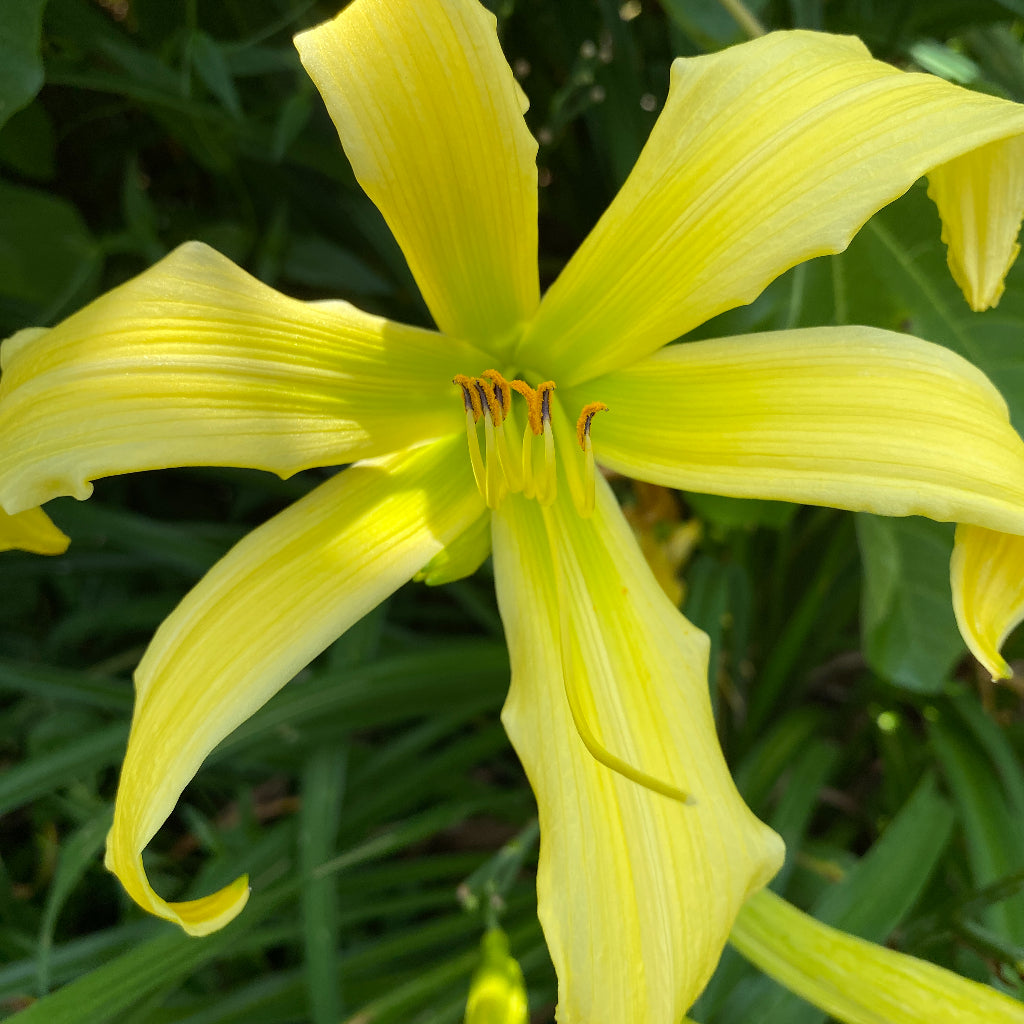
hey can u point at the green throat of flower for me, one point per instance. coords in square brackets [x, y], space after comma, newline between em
[508, 466]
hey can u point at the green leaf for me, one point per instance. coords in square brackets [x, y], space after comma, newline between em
[212, 67]
[55, 769]
[910, 635]
[993, 831]
[77, 855]
[901, 250]
[27, 143]
[944, 61]
[870, 901]
[102, 994]
[741, 513]
[808, 774]
[21, 65]
[320, 263]
[708, 24]
[323, 784]
[48, 258]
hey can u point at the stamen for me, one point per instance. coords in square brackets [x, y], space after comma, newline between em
[473, 413]
[475, 458]
[532, 404]
[585, 507]
[544, 390]
[501, 390]
[469, 395]
[510, 465]
[495, 485]
[501, 468]
[488, 397]
[587, 414]
[529, 482]
[547, 486]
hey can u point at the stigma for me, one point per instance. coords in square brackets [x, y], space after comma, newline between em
[509, 465]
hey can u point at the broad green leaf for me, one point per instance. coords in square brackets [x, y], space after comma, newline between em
[909, 633]
[320, 263]
[27, 143]
[48, 258]
[741, 513]
[21, 65]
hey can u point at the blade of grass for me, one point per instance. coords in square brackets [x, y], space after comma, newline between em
[323, 787]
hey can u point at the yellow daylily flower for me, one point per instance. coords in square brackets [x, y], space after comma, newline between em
[987, 575]
[765, 155]
[31, 530]
[856, 981]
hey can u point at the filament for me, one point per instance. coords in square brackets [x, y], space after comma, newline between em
[501, 468]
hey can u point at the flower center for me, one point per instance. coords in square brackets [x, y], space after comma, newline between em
[529, 467]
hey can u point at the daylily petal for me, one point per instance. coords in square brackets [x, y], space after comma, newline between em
[987, 578]
[850, 417]
[31, 530]
[636, 891]
[856, 981]
[462, 557]
[980, 197]
[765, 155]
[194, 362]
[274, 602]
[432, 122]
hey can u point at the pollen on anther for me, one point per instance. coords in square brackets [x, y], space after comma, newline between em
[469, 395]
[544, 392]
[532, 404]
[490, 400]
[587, 414]
[501, 390]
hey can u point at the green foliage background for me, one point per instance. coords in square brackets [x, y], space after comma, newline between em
[375, 801]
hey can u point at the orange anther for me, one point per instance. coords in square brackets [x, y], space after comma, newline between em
[469, 395]
[532, 405]
[544, 401]
[486, 390]
[501, 390]
[588, 412]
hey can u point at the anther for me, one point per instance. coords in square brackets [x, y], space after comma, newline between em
[583, 423]
[469, 395]
[544, 390]
[474, 411]
[532, 405]
[501, 390]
